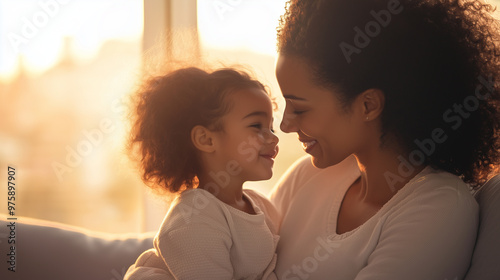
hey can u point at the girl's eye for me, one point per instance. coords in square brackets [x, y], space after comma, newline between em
[259, 127]
[256, 125]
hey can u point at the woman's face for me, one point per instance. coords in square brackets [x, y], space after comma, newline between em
[328, 132]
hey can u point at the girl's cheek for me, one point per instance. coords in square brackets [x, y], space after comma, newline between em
[261, 138]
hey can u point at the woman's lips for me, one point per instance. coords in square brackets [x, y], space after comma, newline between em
[308, 145]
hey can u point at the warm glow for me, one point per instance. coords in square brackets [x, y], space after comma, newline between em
[67, 68]
[35, 30]
[247, 25]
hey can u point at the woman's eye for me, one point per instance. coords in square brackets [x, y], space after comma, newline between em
[293, 108]
[299, 112]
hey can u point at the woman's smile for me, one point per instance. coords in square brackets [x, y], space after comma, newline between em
[325, 128]
[308, 145]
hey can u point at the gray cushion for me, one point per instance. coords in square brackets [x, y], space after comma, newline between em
[46, 250]
[486, 259]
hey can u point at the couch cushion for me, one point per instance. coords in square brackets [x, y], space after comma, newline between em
[46, 250]
[485, 261]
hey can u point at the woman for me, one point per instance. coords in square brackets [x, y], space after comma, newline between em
[398, 106]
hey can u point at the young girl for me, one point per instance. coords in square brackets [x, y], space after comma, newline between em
[202, 135]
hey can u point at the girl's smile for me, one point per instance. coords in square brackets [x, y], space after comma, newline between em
[248, 136]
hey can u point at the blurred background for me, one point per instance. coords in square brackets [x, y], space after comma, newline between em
[66, 71]
[67, 68]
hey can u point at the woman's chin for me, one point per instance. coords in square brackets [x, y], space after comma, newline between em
[318, 163]
[323, 162]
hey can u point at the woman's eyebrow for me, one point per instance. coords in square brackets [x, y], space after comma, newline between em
[293, 97]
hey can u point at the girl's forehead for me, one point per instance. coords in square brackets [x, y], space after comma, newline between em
[253, 99]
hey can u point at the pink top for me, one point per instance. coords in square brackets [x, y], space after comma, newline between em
[427, 230]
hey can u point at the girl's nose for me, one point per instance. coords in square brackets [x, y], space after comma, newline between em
[274, 139]
[270, 137]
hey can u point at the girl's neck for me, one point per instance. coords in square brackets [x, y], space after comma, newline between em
[229, 191]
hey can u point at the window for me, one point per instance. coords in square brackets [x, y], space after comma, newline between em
[66, 69]
[244, 32]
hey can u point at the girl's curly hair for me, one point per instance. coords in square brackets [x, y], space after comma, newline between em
[437, 62]
[166, 109]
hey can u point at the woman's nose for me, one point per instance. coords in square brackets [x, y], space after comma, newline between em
[288, 123]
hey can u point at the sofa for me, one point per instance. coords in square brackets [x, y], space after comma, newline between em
[46, 250]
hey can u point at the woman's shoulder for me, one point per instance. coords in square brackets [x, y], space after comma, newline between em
[437, 181]
[439, 190]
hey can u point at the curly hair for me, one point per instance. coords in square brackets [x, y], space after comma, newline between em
[166, 109]
[433, 59]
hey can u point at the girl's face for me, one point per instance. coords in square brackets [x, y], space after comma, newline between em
[248, 137]
[328, 132]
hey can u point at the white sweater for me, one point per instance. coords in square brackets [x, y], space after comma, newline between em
[204, 238]
[426, 231]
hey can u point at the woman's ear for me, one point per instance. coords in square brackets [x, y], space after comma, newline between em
[372, 102]
[202, 139]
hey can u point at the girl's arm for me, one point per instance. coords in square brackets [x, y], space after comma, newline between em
[194, 242]
[197, 251]
[182, 254]
[148, 266]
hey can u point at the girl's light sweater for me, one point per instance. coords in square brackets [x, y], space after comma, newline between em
[204, 238]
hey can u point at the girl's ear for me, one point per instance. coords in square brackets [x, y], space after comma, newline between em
[202, 139]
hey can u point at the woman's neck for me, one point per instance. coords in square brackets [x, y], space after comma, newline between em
[383, 174]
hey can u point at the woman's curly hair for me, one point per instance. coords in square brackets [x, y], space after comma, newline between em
[437, 62]
[166, 108]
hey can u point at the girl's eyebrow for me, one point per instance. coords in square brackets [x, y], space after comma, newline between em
[293, 97]
[256, 113]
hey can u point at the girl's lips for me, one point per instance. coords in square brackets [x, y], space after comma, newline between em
[308, 145]
[270, 156]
